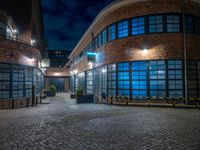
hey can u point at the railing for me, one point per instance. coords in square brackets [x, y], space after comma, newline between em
[150, 100]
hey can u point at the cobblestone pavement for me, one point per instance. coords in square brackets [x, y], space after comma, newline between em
[63, 124]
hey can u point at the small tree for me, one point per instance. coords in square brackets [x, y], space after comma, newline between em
[79, 92]
[52, 89]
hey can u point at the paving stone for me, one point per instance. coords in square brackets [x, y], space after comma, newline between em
[63, 124]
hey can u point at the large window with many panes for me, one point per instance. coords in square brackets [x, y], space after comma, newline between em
[104, 36]
[139, 79]
[155, 23]
[157, 78]
[112, 77]
[123, 29]
[18, 81]
[111, 32]
[28, 80]
[192, 79]
[138, 25]
[189, 24]
[4, 80]
[89, 82]
[100, 83]
[123, 82]
[173, 23]
[2, 29]
[175, 78]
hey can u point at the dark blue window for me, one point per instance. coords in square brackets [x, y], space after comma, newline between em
[156, 23]
[175, 78]
[112, 80]
[95, 43]
[111, 32]
[173, 23]
[104, 36]
[99, 41]
[138, 26]
[189, 25]
[197, 25]
[123, 29]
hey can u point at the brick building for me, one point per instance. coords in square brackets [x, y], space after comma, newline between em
[21, 50]
[138, 49]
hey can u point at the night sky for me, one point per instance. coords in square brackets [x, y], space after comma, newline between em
[65, 21]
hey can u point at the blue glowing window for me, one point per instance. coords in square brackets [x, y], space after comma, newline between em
[139, 93]
[139, 65]
[123, 66]
[139, 84]
[123, 84]
[123, 29]
[138, 26]
[123, 75]
[123, 93]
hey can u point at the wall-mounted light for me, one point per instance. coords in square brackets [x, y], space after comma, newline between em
[91, 54]
[57, 74]
[103, 70]
[32, 41]
[31, 61]
[74, 71]
[15, 30]
[145, 50]
[90, 64]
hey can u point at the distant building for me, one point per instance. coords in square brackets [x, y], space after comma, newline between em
[58, 58]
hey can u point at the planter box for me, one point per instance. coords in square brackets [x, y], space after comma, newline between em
[48, 93]
[85, 99]
[72, 95]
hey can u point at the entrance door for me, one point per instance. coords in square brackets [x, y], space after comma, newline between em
[59, 83]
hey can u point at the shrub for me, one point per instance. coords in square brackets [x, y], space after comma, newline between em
[79, 92]
[52, 89]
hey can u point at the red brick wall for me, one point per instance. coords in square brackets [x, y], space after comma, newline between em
[17, 102]
[20, 53]
[57, 72]
[160, 46]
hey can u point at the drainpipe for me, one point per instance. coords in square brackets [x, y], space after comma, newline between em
[184, 51]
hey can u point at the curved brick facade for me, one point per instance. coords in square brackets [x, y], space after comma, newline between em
[21, 80]
[17, 52]
[159, 45]
[142, 65]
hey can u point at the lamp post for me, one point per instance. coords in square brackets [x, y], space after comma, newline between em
[184, 50]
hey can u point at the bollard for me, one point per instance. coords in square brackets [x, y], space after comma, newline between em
[13, 103]
[27, 102]
[148, 101]
[126, 101]
[173, 102]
